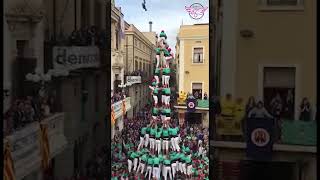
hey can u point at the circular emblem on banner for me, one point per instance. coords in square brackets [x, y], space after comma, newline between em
[196, 10]
[191, 105]
[260, 137]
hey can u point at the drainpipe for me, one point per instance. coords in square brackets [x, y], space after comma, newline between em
[75, 14]
[54, 20]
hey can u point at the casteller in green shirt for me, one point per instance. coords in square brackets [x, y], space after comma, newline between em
[153, 131]
[165, 132]
[150, 161]
[158, 134]
[167, 162]
[166, 91]
[143, 131]
[156, 161]
[166, 71]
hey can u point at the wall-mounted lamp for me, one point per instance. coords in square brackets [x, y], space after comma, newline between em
[246, 33]
[187, 72]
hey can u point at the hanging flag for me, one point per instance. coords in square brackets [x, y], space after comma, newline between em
[44, 144]
[123, 107]
[121, 26]
[191, 105]
[260, 138]
[113, 118]
[8, 167]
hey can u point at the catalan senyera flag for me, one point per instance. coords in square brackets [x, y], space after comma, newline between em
[113, 118]
[45, 149]
[123, 107]
[8, 168]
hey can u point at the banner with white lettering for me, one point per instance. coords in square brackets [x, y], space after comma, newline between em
[75, 57]
[133, 79]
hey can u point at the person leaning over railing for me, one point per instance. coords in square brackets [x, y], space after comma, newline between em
[259, 112]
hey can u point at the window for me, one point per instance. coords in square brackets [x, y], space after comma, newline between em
[197, 90]
[136, 42]
[135, 65]
[198, 55]
[279, 84]
[282, 2]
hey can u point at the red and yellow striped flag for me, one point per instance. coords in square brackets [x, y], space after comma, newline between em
[123, 107]
[113, 118]
[8, 167]
[45, 149]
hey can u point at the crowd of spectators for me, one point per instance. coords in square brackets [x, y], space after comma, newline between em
[118, 96]
[229, 109]
[27, 110]
[197, 95]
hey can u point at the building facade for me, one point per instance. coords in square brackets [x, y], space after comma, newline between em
[118, 26]
[192, 61]
[264, 48]
[252, 41]
[40, 37]
[193, 58]
[138, 59]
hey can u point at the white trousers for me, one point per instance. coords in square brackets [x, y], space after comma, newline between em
[164, 62]
[173, 145]
[157, 79]
[176, 143]
[141, 166]
[167, 170]
[146, 142]
[148, 171]
[166, 80]
[158, 60]
[184, 168]
[129, 165]
[156, 172]
[166, 100]
[141, 142]
[152, 142]
[155, 98]
[158, 146]
[163, 79]
[180, 167]
[163, 99]
[189, 170]
[135, 164]
[165, 144]
[174, 169]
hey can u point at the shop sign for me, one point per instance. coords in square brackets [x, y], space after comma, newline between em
[133, 79]
[75, 57]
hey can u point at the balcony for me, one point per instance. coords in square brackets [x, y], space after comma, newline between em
[118, 107]
[25, 144]
[291, 136]
[117, 61]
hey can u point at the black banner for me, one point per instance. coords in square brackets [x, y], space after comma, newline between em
[259, 138]
[191, 105]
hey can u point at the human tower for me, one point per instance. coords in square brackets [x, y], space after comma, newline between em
[159, 155]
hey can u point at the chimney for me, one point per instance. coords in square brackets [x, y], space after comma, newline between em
[150, 26]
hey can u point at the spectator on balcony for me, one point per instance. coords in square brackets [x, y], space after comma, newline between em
[205, 96]
[275, 100]
[239, 114]
[227, 107]
[305, 110]
[259, 112]
[250, 105]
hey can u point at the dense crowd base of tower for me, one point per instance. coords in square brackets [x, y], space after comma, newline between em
[164, 149]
